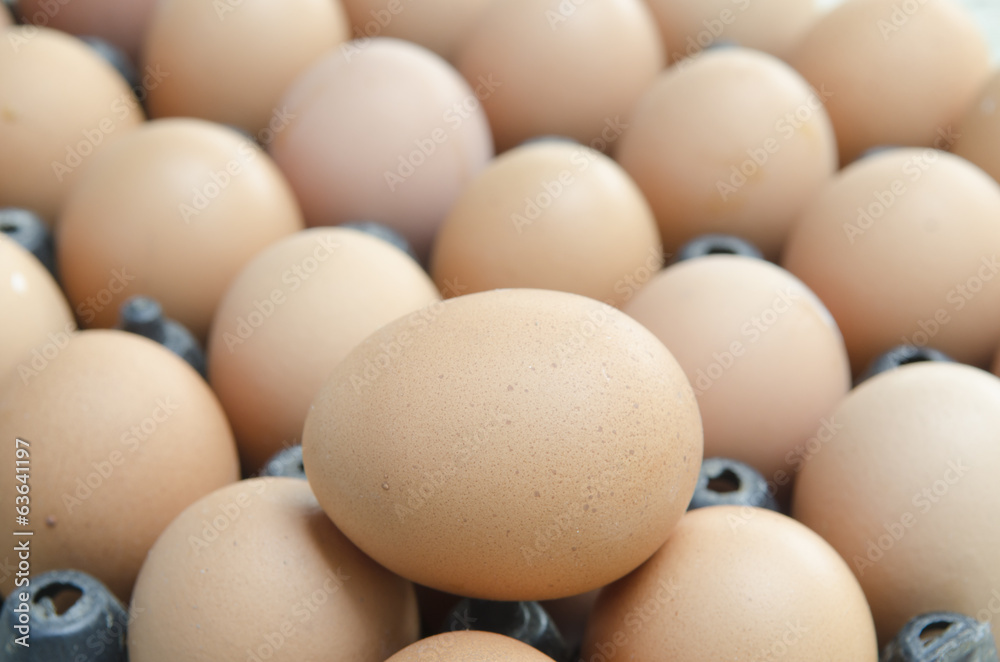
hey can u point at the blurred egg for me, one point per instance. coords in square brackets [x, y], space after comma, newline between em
[230, 62]
[977, 136]
[902, 247]
[122, 435]
[6, 19]
[49, 131]
[37, 317]
[121, 22]
[526, 444]
[735, 583]
[765, 357]
[174, 211]
[550, 215]
[906, 491]
[735, 142]
[772, 26]
[438, 25]
[256, 570]
[290, 316]
[383, 130]
[469, 646]
[558, 67]
[894, 73]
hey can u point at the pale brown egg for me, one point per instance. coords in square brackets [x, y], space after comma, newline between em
[470, 646]
[230, 61]
[772, 26]
[977, 135]
[894, 73]
[735, 142]
[439, 25]
[256, 571]
[6, 19]
[290, 316]
[173, 211]
[902, 247]
[50, 133]
[37, 318]
[550, 215]
[525, 444]
[383, 130]
[906, 491]
[120, 22]
[577, 68]
[735, 583]
[120, 436]
[765, 357]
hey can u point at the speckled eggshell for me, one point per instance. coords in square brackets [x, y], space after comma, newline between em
[902, 247]
[123, 435]
[553, 215]
[174, 211]
[977, 136]
[257, 569]
[762, 352]
[51, 133]
[735, 583]
[894, 73]
[507, 445]
[291, 315]
[906, 491]
[37, 317]
[470, 646]
[734, 142]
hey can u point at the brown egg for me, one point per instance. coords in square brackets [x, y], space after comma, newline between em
[174, 211]
[735, 142]
[6, 19]
[765, 357]
[290, 316]
[439, 25]
[576, 70]
[230, 62]
[38, 319]
[902, 247]
[996, 364]
[906, 491]
[383, 130]
[894, 73]
[525, 444]
[470, 646]
[551, 215]
[256, 571]
[772, 26]
[120, 22]
[977, 136]
[50, 131]
[735, 583]
[121, 436]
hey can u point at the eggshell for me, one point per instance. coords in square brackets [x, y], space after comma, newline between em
[36, 313]
[291, 315]
[902, 248]
[906, 491]
[576, 70]
[50, 132]
[382, 130]
[977, 136]
[735, 583]
[735, 142]
[552, 215]
[5, 18]
[895, 73]
[765, 357]
[772, 26]
[525, 444]
[256, 571]
[123, 435]
[120, 22]
[439, 25]
[470, 646]
[174, 211]
[230, 62]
